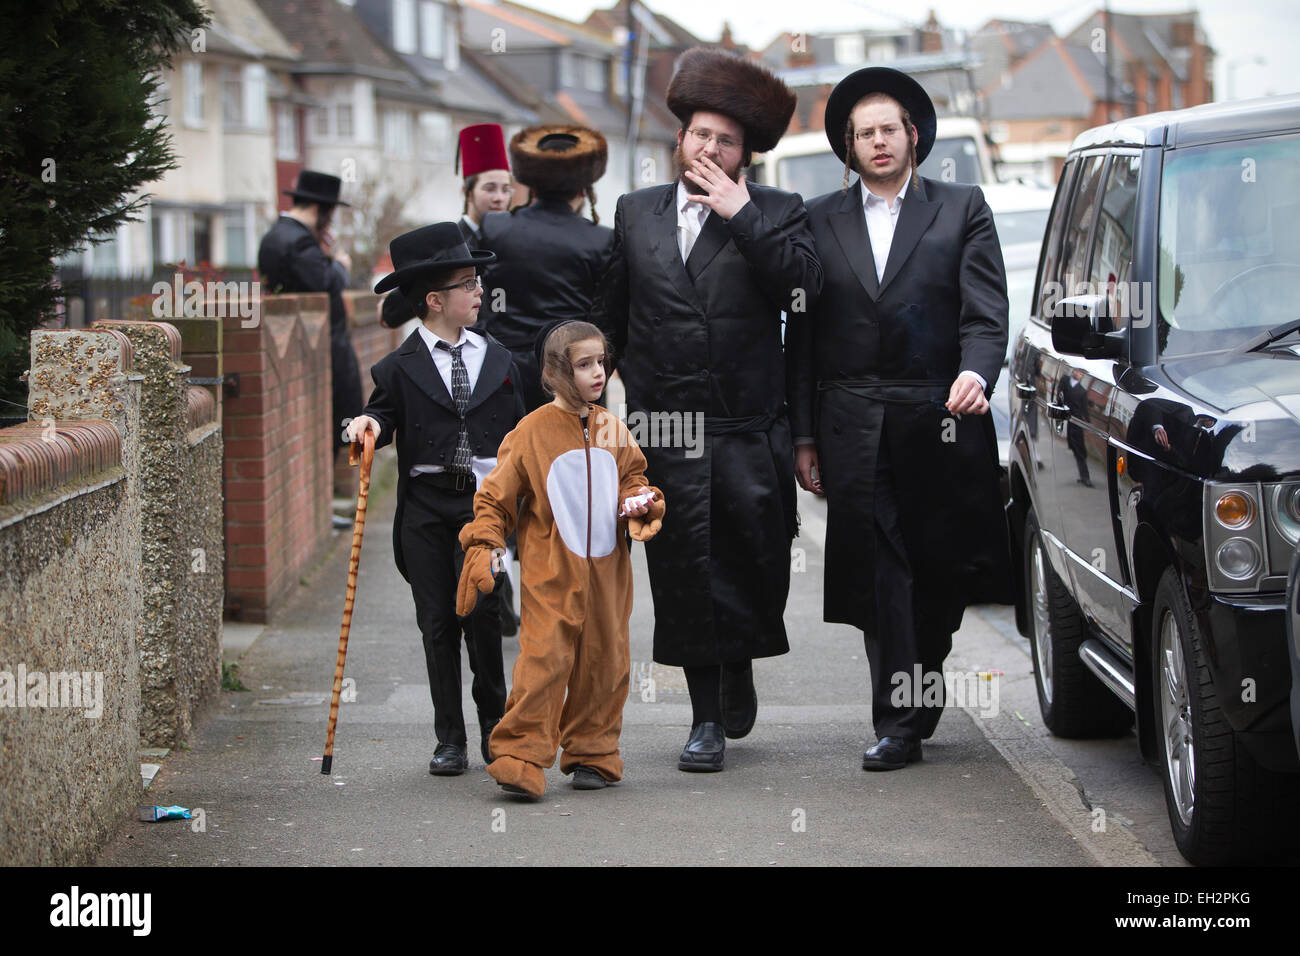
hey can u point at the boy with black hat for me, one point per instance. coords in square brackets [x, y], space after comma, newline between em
[447, 396]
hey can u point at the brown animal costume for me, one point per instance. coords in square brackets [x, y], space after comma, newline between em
[572, 475]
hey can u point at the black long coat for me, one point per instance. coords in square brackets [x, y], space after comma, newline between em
[549, 265]
[704, 338]
[873, 361]
[291, 260]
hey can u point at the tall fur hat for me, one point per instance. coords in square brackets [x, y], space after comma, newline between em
[721, 83]
[558, 159]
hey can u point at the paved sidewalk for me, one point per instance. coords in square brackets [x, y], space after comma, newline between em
[793, 791]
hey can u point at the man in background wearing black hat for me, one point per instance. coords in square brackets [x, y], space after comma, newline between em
[891, 372]
[700, 273]
[447, 395]
[292, 258]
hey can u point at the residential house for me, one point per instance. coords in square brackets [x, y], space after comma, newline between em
[568, 73]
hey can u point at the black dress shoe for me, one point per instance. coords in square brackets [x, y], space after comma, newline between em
[485, 731]
[738, 698]
[892, 753]
[585, 778]
[705, 750]
[448, 761]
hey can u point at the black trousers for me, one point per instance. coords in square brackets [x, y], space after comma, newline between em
[899, 707]
[431, 521]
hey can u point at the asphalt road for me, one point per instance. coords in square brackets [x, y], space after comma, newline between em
[989, 791]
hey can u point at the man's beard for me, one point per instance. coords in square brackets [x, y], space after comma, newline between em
[679, 170]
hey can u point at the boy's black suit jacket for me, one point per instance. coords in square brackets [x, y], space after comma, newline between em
[413, 406]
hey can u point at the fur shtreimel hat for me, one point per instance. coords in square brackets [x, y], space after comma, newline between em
[558, 159]
[721, 83]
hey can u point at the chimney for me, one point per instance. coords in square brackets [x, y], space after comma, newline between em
[931, 37]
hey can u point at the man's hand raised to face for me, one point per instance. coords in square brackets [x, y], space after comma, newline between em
[724, 196]
[967, 395]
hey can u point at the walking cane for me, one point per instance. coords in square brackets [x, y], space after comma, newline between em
[365, 456]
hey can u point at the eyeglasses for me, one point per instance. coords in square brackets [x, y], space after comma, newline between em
[703, 136]
[867, 135]
[469, 285]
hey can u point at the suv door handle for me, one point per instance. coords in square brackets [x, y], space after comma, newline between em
[1057, 412]
[1027, 392]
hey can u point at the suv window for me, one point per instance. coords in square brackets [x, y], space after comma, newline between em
[1112, 257]
[1044, 297]
[1229, 242]
[1074, 244]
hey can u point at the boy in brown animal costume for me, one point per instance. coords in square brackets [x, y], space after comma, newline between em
[577, 473]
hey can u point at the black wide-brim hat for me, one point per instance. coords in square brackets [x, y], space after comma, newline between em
[437, 248]
[317, 187]
[881, 79]
[558, 158]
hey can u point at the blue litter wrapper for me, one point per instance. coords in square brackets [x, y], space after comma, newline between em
[154, 814]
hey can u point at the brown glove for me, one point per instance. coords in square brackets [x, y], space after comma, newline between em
[646, 526]
[475, 576]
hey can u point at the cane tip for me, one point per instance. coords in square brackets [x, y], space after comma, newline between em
[326, 762]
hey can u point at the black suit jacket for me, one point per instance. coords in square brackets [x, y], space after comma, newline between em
[940, 308]
[413, 406]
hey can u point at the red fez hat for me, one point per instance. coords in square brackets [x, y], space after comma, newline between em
[481, 148]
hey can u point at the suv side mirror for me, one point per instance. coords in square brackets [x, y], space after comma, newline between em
[1081, 326]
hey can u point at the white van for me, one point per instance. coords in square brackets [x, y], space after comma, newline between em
[803, 162]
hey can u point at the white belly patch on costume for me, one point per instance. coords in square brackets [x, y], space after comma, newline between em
[566, 489]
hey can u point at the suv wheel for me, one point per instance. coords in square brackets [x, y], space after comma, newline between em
[1074, 703]
[1223, 807]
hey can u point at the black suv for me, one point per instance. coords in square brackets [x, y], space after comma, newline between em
[1154, 466]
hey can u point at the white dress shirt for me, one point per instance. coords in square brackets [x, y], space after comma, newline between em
[690, 220]
[473, 354]
[882, 218]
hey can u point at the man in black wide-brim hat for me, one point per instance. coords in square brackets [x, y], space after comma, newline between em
[700, 273]
[292, 258]
[892, 368]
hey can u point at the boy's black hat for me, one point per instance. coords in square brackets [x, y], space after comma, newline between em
[881, 79]
[436, 248]
[317, 187]
[539, 344]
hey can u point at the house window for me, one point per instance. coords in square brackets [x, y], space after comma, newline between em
[884, 50]
[320, 123]
[568, 71]
[850, 50]
[343, 120]
[255, 96]
[232, 97]
[192, 81]
[595, 70]
[236, 228]
[431, 29]
[397, 133]
[620, 76]
[160, 101]
[286, 132]
[435, 136]
[404, 35]
[452, 59]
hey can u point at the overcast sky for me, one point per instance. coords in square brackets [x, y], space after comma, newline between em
[1239, 30]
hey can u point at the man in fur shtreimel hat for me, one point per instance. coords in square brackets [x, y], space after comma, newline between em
[701, 271]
